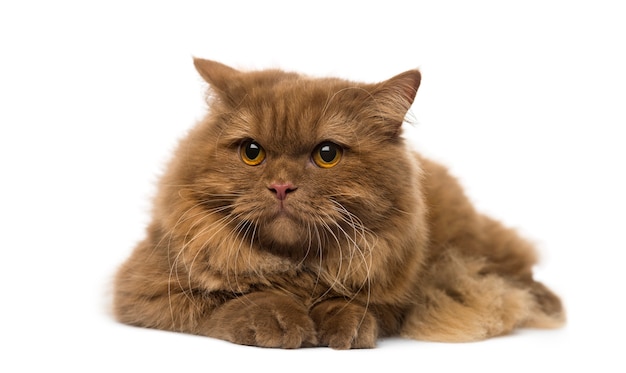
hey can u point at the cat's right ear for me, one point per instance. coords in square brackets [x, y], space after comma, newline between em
[219, 76]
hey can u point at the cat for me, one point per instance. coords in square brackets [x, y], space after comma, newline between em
[295, 215]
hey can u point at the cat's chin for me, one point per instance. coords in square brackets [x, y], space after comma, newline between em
[284, 235]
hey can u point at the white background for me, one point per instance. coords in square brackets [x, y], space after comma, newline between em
[525, 101]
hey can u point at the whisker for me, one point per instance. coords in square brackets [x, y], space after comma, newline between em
[365, 253]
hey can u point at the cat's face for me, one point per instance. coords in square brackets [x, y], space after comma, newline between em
[296, 164]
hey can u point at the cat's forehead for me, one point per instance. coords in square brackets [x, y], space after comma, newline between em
[296, 115]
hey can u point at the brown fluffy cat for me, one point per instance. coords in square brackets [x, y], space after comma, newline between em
[295, 215]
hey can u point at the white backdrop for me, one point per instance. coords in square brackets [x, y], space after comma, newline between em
[525, 101]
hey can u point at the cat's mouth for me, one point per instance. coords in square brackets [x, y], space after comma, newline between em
[298, 214]
[283, 209]
[287, 219]
[288, 227]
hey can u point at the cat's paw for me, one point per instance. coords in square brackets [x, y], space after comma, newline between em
[343, 325]
[265, 320]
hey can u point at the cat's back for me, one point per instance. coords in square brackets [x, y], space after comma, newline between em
[456, 226]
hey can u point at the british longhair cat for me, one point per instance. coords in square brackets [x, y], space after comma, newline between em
[295, 215]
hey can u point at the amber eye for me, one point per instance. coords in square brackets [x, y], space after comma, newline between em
[251, 153]
[327, 154]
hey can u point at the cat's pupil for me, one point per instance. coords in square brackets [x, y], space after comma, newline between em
[328, 153]
[253, 150]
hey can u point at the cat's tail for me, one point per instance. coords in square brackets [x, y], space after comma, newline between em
[462, 304]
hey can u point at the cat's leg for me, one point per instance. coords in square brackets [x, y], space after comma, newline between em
[342, 324]
[150, 294]
[265, 319]
[460, 302]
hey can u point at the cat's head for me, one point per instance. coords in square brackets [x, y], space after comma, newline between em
[294, 164]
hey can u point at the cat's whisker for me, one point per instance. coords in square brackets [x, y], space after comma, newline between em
[308, 249]
[174, 265]
[247, 224]
[253, 224]
[224, 222]
[357, 227]
[221, 224]
[334, 280]
[180, 254]
[233, 237]
[361, 233]
[186, 244]
[320, 253]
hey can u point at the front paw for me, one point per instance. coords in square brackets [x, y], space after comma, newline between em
[343, 325]
[265, 320]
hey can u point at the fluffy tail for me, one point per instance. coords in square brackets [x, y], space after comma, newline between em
[463, 303]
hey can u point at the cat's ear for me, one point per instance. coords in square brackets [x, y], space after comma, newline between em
[219, 76]
[394, 98]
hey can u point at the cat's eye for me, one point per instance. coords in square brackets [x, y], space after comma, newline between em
[327, 154]
[252, 153]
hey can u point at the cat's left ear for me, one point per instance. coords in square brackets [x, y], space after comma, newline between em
[394, 98]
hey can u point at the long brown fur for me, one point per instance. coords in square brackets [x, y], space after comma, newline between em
[384, 243]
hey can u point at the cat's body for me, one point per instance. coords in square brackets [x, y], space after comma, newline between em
[294, 215]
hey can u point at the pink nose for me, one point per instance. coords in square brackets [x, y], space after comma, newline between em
[281, 189]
